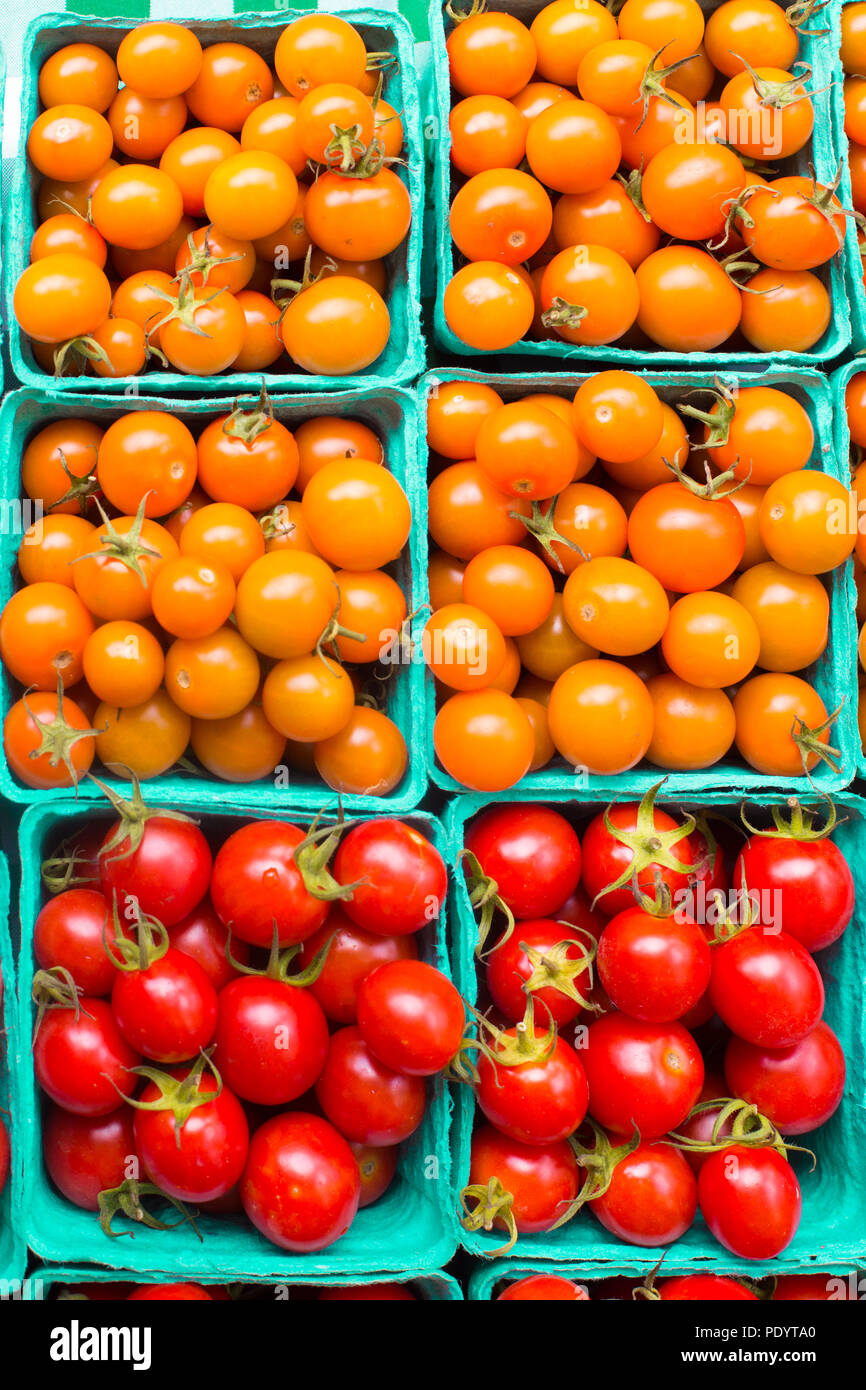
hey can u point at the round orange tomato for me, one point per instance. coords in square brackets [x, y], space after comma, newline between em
[711, 640]
[147, 455]
[79, 73]
[358, 219]
[805, 522]
[501, 215]
[589, 295]
[285, 602]
[782, 725]
[687, 302]
[204, 332]
[69, 142]
[600, 717]
[192, 597]
[225, 534]
[484, 740]
[43, 631]
[510, 584]
[61, 296]
[372, 609]
[784, 310]
[554, 646]
[144, 740]
[49, 546]
[190, 159]
[689, 542]
[212, 677]
[592, 524]
[47, 741]
[273, 127]
[754, 31]
[248, 458]
[687, 189]
[526, 450]
[59, 465]
[456, 411]
[468, 513]
[565, 32]
[573, 147]
[159, 59]
[651, 468]
[764, 433]
[463, 647]
[792, 612]
[242, 748]
[136, 206]
[487, 132]
[326, 438]
[67, 233]
[319, 48]
[123, 664]
[692, 727]
[336, 326]
[368, 757]
[115, 578]
[488, 306]
[308, 698]
[654, 21]
[490, 55]
[143, 127]
[250, 194]
[605, 216]
[356, 513]
[232, 81]
[615, 606]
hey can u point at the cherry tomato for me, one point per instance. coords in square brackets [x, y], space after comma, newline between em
[367, 1101]
[81, 1059]
[85, 1154]
[257, 883]
[410, 1016]
[799, 1087]
[165, 869]
[766, 987]
[271, 1039]
[653, 968]
[301, 1185]
[400, 877]
[652, 1197]
[541, 1180]
[752, 1204]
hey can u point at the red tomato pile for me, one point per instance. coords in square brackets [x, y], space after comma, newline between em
[853, 56]
[615, 184]
[653, 1043]
[173, 1050]
[621, 576]
[204, 594]
[197, 211]
[684, 1288]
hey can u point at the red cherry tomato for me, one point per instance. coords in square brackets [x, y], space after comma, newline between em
[256, 884]
[300, 1187]
[750, 1199]
[411, 1017]
[367, 1101]
[647, 1075]
[531, 852]
[401, 877]
[353, 955]
[271, 1039]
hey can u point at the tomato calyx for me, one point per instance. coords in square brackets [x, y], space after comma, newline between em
[148, 944]
[483, 1205]
[561, 314]
[801, 11]
[128, 549]
[555, 969]
[202, 259]
[345, 148]
[716, 485]
[183, 306]
[799, 824]
[653, 80]
[313, 855]
[55, 989]
[484, 897]
[81, 489]
[733, 266]
[718, 421]
[457, 16]
[180, 1097]
[598, 1163]
[60, 870]
[660, 904]
[633, 185]
[297, 287]
[540, 526]
[511, 1047]
[648, 845]
[808, 741]
[778, 95]
[247, 422]
[748, 1129]
[331, 631]
[58, 738]
[279, 961]
[127, 1200]
[276, 523]
[133, 817]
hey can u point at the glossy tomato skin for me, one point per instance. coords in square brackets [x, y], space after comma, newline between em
[86, 1154]
[208, 1158]
[68, 932]
[300, 1187]
[353, 955]
[653, 968]
[652, 1197]
[539, 1102]
[640, 1074]
[377, 1167]
[367, 1101]
[84, 1063]
[167, 875]
[766, 987]
[752, 1206]
[271, 1040]
[543, 1288]
[811, 884]
[406, 878]
[704, 1288]
[531, 852]
[509, 967]
[169, 1010]
[797, 1087]
[605, 858]
[411, 1017]
[256, 883]
[203, 936]
[542, 1181]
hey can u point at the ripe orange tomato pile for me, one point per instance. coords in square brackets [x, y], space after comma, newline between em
[213, 209]
[853, 57]
[638, 180]
[624, 575]
[203, 594]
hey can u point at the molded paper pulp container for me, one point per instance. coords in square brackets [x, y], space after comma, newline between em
[485, 1278]
[392, 414]
[833, 676]
[381, 30]
[431, 1286]
[412, 1227]
[834, 1199]
[823, 151]
[838, 382]
[13, 1253]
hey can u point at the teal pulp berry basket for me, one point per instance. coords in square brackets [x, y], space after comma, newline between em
[487, 1281]
[838, 382]
[411, 1227]
[382, 30]
[13, 1251]
[833, 676]
[834, 1199]
[392, 413]
[853, 266]
[823, 152]
[52, 1281]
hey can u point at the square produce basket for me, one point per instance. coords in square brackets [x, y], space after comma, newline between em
[485, 1278]
[13, 1251]
[823, 151]
[833, 676]
[412, 1227]
[833, 1227]
[430, 1286]
[382, 30]
[838, 382]
[392, 413]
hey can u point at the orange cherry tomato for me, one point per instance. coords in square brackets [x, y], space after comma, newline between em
[773, 712]
[46, 747]
[123, 664]
[206, 335]
[617, 415]
[687, 302]
[150, 455]
[247, 457]
[356, 513]
[285, 602]
[487, 132]
[368, 757]
[223, 533]
[688, 542]
[600, 717]
[711, 640]
[501, 215]
[456, 411]
[564, 32]
[50, 545]
[510, 584]
[467, 512]
[69, 142]
[785, 310]
[250, 194]
[308, 698]
[136, 206]
[142, 298]
[573, 147]
[326, 438]
[69, 195]
[589, 295]
[484, 740]
[535, 97]
[261, 345]
[769, 113]
[273, 127]
[212, 677]
[526, 450]
[768, 433]
[554, 646]
[192, 597]
[122, 347]
[241, 748]
[190, 159]
[143, 740]
[373, 605]
[615, 606]
[792, 613]
[143, 127]
[463, 647]
[44, 628]
[115, 577]
[445, 578]
[651, 468]
[336, 326]
[490, 54]
[805, 522]
[754, 31]
[590, 521]
[61, 296]
[605, 216]
[80, 74]
[692, 727]
[488, 306]
[358, 219]
[58, 463]
[319, 48]
[67, 233]
[160, 59]
[232, 81]
[654, 21]
[687, 189]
